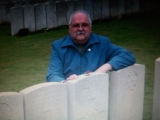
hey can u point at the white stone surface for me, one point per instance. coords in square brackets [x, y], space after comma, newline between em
[40, 16]
[61, 13]
[11, 106]
[70, 8]
[3, 13]
[127, 93]
[105, 9]
[136, 5]
[129, 6]
[29, 17]
[113, 8]
[51, 15]
[88, 97]
[79, 4]
[97, 10]
[46, 101]
[88, 6]
[121, 7]
[16, 20]
[156, 100]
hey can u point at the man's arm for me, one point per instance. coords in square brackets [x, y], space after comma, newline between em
[117, 58]
[55, 70]
[123, 58]
[104, 68]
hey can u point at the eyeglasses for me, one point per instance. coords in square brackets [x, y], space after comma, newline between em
[83, 25]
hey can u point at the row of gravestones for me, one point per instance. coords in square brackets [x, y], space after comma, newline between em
[6, 5]
[52, 14]
[116, 6]
[97, 96]
[22, 2]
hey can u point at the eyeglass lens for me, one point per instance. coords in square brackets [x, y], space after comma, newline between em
[84, 25]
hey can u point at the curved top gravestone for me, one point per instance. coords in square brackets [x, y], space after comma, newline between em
[83, 98]
[88, 97]
[127, 93]
[45, 101]
[156, 100]
[16, 20]
[40, 16]
[11, 106]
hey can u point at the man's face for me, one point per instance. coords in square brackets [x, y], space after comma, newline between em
[80, 28]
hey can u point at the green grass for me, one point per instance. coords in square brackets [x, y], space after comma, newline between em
[24, 60]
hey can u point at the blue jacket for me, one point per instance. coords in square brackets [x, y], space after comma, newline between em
[66, 60]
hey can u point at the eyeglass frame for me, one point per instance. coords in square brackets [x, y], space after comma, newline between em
[77, 26]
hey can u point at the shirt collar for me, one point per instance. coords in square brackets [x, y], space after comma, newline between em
[69, 42]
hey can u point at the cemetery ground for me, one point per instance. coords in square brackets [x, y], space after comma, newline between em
[24, 60]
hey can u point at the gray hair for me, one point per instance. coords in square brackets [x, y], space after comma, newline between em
[79, 11]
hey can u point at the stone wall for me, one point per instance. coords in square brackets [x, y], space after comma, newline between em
[115, 96]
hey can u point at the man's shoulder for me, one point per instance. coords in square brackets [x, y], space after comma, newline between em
[101, 38]
[60, 41]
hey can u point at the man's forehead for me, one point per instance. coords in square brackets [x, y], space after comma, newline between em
[80, 15]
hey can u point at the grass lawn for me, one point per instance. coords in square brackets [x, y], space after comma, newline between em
[24, 60]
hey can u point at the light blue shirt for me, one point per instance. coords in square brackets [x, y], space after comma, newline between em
[67, 60]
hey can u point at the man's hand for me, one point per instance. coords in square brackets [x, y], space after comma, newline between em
[71, 77]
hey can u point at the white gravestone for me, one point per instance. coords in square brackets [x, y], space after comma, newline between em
[79, 4]
[127, 93]
[8, 11]
[40, 13]
[16, 20]
[121, 7]
[105, 9]
[156, 100]
[45, 101]
[129, 6]
[61, 13]
[27, 2]
[51, 15]
[70, 8]
[88, 6]
[17, 3]
[29, 17]
[113, 8]
[88, 97]
[3, 13]
[11, 106]
[97, 10]
[136, 5]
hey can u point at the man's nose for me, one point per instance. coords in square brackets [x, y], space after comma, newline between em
[80, 27]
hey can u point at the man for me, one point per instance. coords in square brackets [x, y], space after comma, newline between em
[83, 51]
